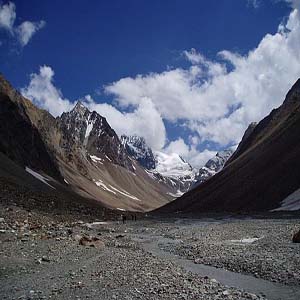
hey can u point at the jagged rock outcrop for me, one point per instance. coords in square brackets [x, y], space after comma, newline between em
[90, 131]
[212, 167]
[138, 149]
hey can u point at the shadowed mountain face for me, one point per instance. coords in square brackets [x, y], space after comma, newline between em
[243, 145]
[20, 140]
[77, 152]
[264, 170]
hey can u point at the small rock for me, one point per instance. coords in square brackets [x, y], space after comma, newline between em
[214, 280]
[91, 242]
[46, 259]
[120, 236]
[226, 293]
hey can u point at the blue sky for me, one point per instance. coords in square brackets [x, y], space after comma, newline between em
[98, 48]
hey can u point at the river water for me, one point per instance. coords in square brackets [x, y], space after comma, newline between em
[273, 291]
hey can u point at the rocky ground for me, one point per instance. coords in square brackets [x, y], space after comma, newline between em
[259, 247]
[62, 257]
[43, 257]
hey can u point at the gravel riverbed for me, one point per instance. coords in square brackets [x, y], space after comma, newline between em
[48, 257]
[259, 247]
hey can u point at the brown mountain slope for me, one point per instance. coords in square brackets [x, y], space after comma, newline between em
[20, 188]
[78, 150]
[263, 172]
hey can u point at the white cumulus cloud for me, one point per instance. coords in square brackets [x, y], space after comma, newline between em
[145, 120]
[27, 29]
[23, 32]
[218, 99]
[294, 3]
[215, 100]
[7, 16]
[43, 93]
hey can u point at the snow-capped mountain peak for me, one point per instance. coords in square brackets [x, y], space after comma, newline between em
[172, 165]
[80, 108]
[171, 169]
[138, 149]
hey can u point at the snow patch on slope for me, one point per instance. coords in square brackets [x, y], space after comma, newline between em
[96, 159]
[39, 177]
[89, 127]
[108, 158]
[178, 194]
[125, 193]
[103, 186]
[245, 240]
[290, 203]
[114, 190]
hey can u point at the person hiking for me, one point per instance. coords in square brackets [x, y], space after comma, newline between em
[123, 219]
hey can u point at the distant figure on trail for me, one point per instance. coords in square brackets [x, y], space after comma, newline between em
[123, 219]
[134, 217]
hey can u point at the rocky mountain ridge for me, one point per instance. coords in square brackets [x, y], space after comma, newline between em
[82, 128]
[138, 149]
[77, 152]
[169, 169]
[172, 169]
[262, 176]
[212, 167]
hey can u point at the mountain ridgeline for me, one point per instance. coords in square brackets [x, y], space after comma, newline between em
[171, 169]
[262, 173]
[78, 154]
[138, 149]
[212, 167]
[82, 128]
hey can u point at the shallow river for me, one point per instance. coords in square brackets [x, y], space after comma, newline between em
[157, 245]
